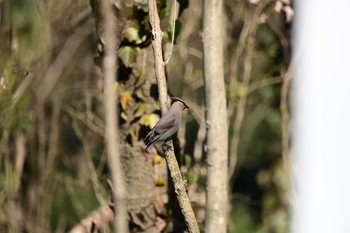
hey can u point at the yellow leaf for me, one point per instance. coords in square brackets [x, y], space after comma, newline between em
[149, 120]
[160, 182]
[157, 159]
[125, 98]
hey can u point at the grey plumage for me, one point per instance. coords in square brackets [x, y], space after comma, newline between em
[168, 124]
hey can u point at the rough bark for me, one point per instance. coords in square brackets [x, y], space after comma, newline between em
[216, 115]
[175, 173]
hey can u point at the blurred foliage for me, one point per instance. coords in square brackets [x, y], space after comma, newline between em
[52, 159]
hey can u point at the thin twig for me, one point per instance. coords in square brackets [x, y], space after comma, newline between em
[263, 83]
[285, 117]
[62, 61]
[22, 87]
[285, 124]
[173, 35]
[249, 25]
[93, 125]
[21, 153]
[96, 184]
[286, 130]
[241, 107]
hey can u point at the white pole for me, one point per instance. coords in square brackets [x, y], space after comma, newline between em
[321, 101]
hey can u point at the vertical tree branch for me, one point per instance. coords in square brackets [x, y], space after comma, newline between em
[174, 169]
[285, 124]
[285, 118]
[241, 106]
[216, 114]
[111, 135]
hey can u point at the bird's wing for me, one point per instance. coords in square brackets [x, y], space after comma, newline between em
[161, 127]
[165, 123]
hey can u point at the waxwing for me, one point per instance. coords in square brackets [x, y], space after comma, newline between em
[168, 124]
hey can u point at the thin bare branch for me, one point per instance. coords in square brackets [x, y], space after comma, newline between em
[22, 88]
[61, 62]
[111, 134]
[285, 117]
[287, 78]
[263, 83]
[96, 184]
[93, 125]
[175, 173]
[21, 152]
[173, 34]
[241, 107]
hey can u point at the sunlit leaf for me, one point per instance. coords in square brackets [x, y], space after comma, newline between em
[129, 3]
[157, 159]
[149, 120]
[141, 4]
[160, 182]
[128, 55]
[125, 97]
[132, 34]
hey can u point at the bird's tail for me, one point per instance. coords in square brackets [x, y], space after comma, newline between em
[149, 135]
[153, 140]
[148, 148]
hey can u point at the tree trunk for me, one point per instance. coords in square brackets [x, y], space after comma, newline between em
[216, 116]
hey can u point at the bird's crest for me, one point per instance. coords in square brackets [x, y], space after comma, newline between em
[174, 99]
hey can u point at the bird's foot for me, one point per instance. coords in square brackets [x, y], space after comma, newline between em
[167, 147]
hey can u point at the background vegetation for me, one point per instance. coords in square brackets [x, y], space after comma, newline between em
[53, 163]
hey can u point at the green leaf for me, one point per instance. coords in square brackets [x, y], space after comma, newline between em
[141, 4]
[128, 55]
[140, 109]
[178, 27]
[132, 34]
[141, 78]
[164, 11]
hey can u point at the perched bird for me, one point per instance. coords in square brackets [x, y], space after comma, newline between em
[168, 124]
